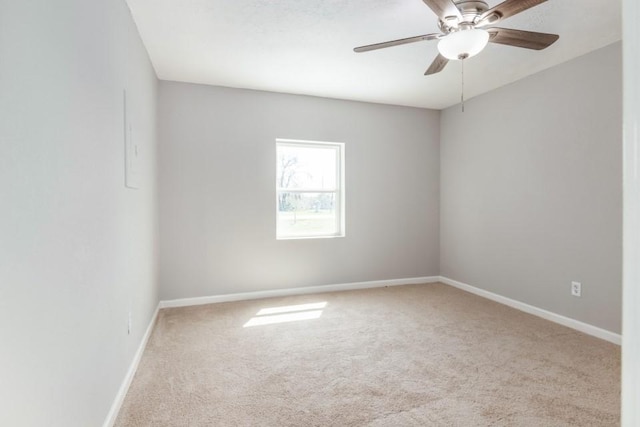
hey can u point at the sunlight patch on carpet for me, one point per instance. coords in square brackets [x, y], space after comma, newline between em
[289, 313]
[292, 308]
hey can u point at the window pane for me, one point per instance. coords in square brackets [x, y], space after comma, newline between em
[311, 168]
[307, 214]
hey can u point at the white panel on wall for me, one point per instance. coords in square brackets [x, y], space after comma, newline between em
[132, 152]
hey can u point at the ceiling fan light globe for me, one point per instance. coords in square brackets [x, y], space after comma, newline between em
[463, 43]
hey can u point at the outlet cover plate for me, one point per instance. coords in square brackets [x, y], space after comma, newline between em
[576, 289]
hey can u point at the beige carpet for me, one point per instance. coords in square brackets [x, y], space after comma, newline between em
[423, 355]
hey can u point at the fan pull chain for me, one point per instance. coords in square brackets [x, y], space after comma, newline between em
[462, 86]
[462, 57]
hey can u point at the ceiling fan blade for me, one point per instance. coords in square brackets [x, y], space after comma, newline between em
[506, 9]
[444, 8]
[520, 38]
[397, 42]
[437, 65]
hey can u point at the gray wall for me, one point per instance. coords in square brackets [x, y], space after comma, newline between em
[77, 250]
[217, 191]
[531, 194]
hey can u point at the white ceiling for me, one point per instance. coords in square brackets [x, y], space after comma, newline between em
[305, 46]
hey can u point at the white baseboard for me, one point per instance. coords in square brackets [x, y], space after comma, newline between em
[184, 302]
[548, 315]
[126, 383]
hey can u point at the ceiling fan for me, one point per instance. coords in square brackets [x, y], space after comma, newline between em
[466, 27]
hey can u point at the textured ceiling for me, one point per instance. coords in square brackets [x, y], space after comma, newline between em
[305, 46]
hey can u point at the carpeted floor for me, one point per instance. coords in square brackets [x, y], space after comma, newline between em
[423, 355]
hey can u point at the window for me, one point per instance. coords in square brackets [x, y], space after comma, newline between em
[309, 189]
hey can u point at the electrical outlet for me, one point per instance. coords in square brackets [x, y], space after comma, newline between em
[576, 289]
[129, 324]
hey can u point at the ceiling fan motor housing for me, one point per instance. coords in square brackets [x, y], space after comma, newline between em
[470, 11]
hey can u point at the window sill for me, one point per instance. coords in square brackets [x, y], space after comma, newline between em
[310, 237]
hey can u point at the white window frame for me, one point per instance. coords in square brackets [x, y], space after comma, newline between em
[339, 189]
